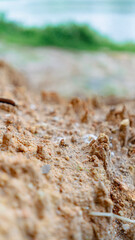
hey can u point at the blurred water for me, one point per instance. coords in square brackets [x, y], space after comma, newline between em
[115, 19]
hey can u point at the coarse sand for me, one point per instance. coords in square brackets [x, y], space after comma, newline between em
[62, 159]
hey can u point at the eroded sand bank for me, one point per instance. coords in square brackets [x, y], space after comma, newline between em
[62, 159]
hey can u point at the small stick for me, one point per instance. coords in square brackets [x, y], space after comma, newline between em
[8, 101]
[112, 215]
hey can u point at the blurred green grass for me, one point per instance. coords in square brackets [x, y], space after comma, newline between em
[68, 36]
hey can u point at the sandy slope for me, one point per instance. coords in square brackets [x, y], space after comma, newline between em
[62, 159]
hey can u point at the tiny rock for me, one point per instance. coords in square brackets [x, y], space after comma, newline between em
[46, 168]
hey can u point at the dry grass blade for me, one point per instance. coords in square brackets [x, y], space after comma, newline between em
[112, 215]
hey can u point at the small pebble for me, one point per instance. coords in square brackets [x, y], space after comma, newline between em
[30, 185]
[46, 168]
[126, 227]
[112, 154]
[56, 119]
[32, 106]
[41, 193]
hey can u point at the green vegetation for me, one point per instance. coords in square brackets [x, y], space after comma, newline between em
[68, 36]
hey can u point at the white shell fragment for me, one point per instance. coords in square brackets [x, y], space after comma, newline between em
[89, 137]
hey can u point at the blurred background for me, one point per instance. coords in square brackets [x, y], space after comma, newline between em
[74, 47]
